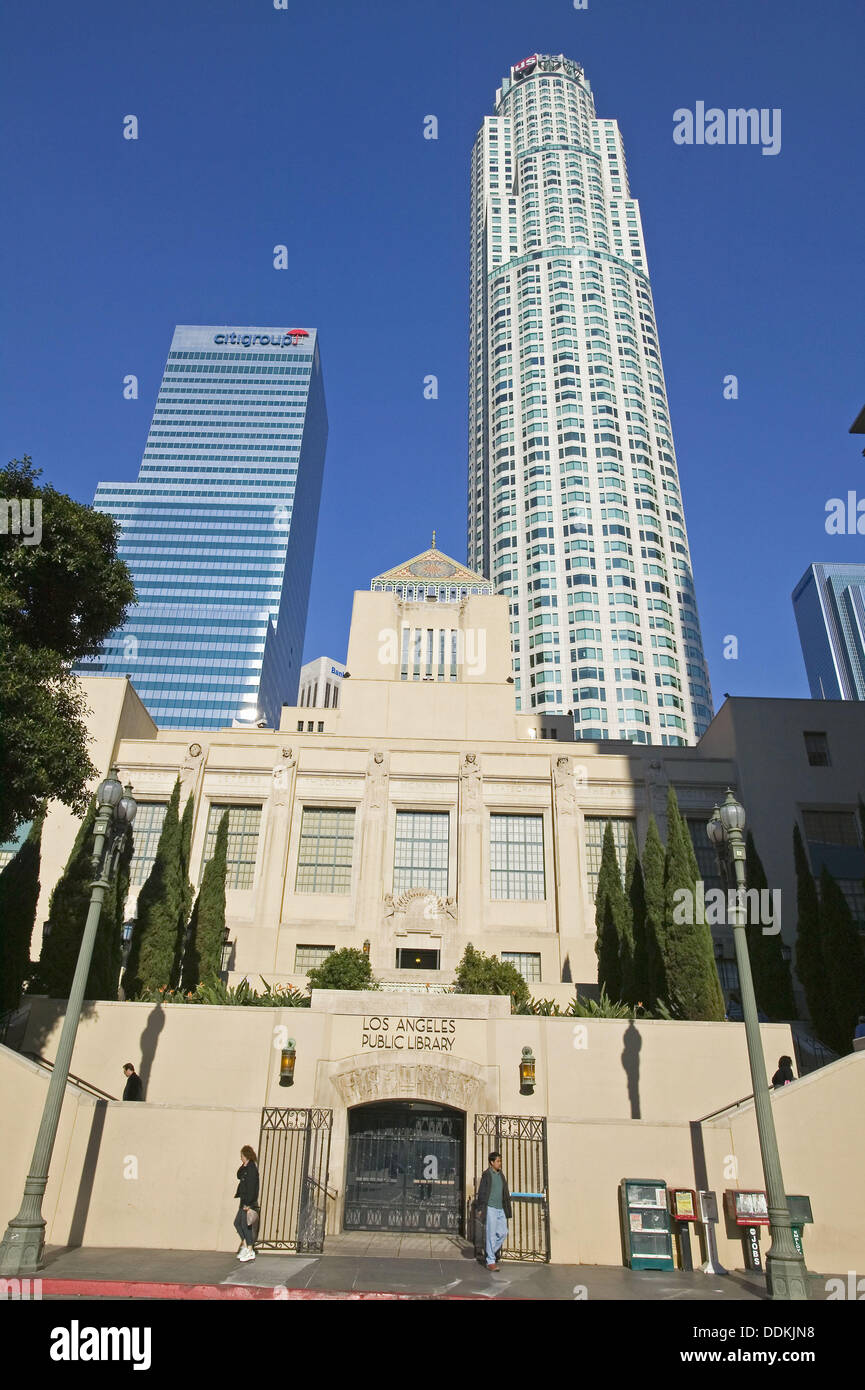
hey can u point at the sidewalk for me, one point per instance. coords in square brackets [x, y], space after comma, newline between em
[369, 1267]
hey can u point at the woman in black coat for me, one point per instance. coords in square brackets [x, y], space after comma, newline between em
[247, 1191]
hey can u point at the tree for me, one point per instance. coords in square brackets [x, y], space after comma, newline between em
[344, 969]
[203, 956]
[810, 966]
[67, 917]
[187, 890]
[160, 905]
[609, 918]
[693, 987]
[844, 963]
[653, 888]
[477, 973]
[59, 599]
[772, 983]
[636, 985]
[19, 894]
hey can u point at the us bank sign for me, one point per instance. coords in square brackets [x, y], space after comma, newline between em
[408, 1034]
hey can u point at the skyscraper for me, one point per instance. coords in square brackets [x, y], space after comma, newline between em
[219, 530]
[574, 507]
[829, 603]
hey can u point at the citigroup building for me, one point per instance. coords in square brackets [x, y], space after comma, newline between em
[219, 528]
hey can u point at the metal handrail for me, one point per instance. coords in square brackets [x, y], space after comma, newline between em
[731, 1105]
[76, 1080]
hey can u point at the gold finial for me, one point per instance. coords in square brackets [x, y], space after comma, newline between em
[434, 540]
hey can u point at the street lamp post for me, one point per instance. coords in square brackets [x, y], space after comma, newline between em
[24, 1242]
[786, 1274]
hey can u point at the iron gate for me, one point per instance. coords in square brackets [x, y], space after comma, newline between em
[294, 1155]
[405, 1167]
[522, 1142]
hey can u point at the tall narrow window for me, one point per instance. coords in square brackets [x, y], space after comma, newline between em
[325, 853]
[517, 857]
[243, 826]
[421, 851]
[145, 837]
[595, 843]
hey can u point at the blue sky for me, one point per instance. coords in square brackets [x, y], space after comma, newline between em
[304, 127]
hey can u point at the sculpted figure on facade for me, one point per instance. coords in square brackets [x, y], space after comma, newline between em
[564, 784]
[190, 768]
[377, 775]
[471, 784]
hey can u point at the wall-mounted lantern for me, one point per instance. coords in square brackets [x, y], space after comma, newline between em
[366, 948]
[527, 1072]
[288, 1057]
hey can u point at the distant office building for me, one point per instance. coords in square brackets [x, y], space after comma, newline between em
[219, 530]
[829, 603]
[319, 683]
[574, 507]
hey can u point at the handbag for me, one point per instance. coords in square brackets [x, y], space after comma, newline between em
[252, 1216]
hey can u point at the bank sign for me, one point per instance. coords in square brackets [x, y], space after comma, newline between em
[408, 1034]
[291, 338]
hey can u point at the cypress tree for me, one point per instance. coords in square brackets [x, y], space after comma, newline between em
[19, 894]
[187, 891]
[108, 951]
[772, 983]
[844, 963]
[653, 891]
[67, 915]
[160, 904]
[693, 987]
[203, 955]
[810, 965]
[635, 901]
[609, 918]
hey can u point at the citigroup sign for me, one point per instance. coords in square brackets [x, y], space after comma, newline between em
[291, 338]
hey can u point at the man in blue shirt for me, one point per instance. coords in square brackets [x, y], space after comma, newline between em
[494, 1209]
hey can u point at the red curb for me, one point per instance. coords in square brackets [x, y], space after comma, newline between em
[125, 1288]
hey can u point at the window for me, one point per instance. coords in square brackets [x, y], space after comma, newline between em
[243, 824]
[830, 827]
[517, 857]
[308, 958]
[527, 962]
[705, 852]
[595, 826]
[854, 891]
[421, 851]
[817, 748]
[324, 857]
[146, 830]
[411, 959]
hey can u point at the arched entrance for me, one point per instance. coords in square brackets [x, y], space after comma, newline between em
[405, 1166]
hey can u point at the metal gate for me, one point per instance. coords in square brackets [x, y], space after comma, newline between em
[294, 1154]
[405, 1167]
[522, 1143]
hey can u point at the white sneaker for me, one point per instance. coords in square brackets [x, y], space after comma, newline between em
[251, 1255]
[243, 1253]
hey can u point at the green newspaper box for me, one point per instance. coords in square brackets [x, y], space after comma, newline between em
[646, 1223]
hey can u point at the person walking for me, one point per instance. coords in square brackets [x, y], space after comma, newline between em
[494, 1209]
[784, 1075]
[246, 1220]
[133, 1090]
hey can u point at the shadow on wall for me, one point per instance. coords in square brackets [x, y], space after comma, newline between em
[632, 1043]
[78, 1224]
[149, 1039]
